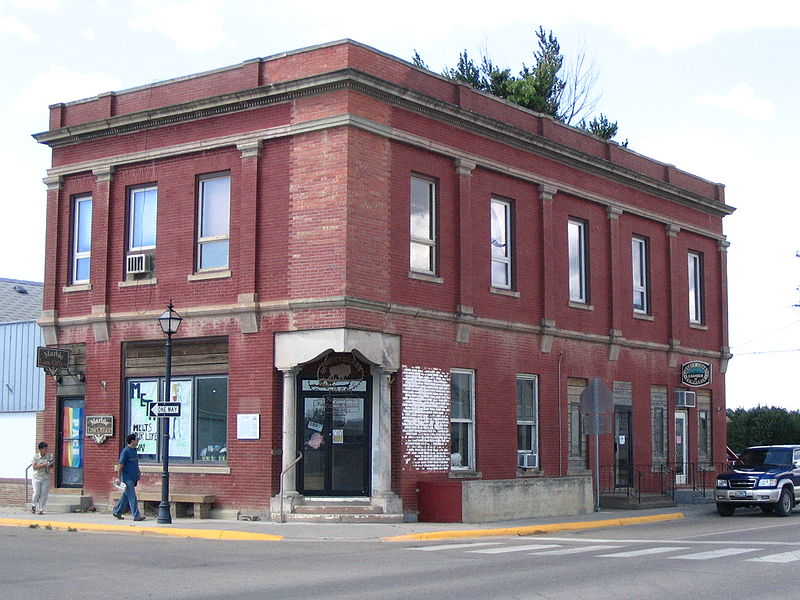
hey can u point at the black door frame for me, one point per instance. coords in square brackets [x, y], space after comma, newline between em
[366, 396]
[60, 439]
[623, 474]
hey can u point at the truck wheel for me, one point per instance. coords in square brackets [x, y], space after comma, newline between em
[725, 510]
[784, 506]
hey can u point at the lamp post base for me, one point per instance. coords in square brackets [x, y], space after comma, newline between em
[164, 515]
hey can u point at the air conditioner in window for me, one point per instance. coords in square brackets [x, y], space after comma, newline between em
[138, 264]
[685, 398]
[526, 461]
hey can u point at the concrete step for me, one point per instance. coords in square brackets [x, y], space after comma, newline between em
[623, 501]
[694, 497]
[66, 502]
[344, 518]
[321, 509]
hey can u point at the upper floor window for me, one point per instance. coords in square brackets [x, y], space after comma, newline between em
[501, 244]
[81, 238]
[423, 226]
[213, 232]
[142, 209]
[462, 420]
[527, 422]
[695, 287]
[578, 289]
[641, 301]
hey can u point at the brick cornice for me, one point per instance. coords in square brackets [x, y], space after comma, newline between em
[393, 94]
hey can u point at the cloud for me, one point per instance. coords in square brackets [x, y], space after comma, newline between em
[743, 101]
[193, 25]
[60, 84]
[674, 26]
[15, 27]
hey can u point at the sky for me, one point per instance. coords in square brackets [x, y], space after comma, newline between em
[709, 86]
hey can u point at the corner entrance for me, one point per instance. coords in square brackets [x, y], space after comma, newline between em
[334, 428]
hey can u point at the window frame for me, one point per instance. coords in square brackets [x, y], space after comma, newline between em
[201, 240]
[78, 202]
[153, 432]
[431, 240]
[578, 258]
[695, 287]
[132, 191]
[470, 422]
[505, 260]
[534, 423]
[640, 259]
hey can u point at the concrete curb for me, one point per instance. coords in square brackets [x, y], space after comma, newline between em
[531, 529]
[209, 534]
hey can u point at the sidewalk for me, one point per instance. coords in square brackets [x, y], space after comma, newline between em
[227, 529]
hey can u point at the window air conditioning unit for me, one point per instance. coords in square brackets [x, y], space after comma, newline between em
[526, 461]
[685, 398]
[138, 264]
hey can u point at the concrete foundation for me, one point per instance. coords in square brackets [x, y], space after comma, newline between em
[510, 499]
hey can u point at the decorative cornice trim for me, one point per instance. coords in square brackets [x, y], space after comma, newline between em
[547, 329]
[391, 93]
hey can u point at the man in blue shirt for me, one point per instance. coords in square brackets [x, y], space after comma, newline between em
[128, 469]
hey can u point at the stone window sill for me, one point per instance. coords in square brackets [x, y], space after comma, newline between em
[580, 305]
[464, 474]
[699, 326]
[425, 277]
[504, 292]
[138, 282]
[643, 316]
[195, 468]
[83, 287]
[203, 275]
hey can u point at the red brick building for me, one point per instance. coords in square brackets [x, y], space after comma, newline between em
[385, 273]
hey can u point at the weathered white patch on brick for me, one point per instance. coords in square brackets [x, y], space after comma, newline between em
[426, 418]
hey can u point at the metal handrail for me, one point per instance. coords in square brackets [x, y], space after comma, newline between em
[286, 470]
[26, 486]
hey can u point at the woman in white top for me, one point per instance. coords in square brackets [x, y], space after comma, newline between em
[41, 464]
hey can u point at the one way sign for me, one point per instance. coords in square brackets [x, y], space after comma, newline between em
[164, 409]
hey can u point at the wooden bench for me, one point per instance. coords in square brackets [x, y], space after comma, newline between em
[181, 504]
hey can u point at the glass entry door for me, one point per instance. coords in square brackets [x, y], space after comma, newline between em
[70, 443]
[681, 447]
[335, 443]
[623, 446]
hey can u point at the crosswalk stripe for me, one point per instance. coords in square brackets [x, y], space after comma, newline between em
[646, 551]
[454, 546]
[574, 550]
[715, 553]
[513, 549]
[783, 557]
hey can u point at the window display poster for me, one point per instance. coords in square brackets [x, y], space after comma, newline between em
[180, 428]
[141, 423]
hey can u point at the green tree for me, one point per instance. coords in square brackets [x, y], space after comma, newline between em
[762, 426]
[545, 86]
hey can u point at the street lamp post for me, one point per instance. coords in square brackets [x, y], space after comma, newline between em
[169, 322]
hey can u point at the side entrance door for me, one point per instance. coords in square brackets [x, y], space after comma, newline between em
[70, 442]
[681, 447]
[623, 446]
[335, 441]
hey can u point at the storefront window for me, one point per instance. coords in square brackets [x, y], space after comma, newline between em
[199, 434]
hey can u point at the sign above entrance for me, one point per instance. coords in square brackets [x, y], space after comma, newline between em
[52, 360]
[696, 373]
[339, 373]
